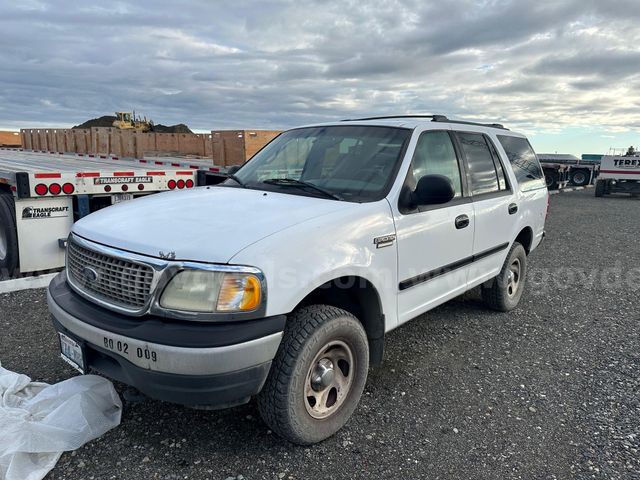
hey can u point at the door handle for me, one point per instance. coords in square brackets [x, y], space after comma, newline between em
[513, 208]
[462, 221]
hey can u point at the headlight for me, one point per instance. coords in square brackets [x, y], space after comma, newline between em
[210, 291]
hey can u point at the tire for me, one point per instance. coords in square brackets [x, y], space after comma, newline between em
[551, 179]
[601, 188]
[503, 292]
[580, 178]
[301, 401]
[8, 237]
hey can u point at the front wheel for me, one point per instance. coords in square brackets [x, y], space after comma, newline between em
[317, 376]
[601, 188]
[503, 292]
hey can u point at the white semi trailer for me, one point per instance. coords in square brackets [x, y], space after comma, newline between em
[618, 174]
[43, 193]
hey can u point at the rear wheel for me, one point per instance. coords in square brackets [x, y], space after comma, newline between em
[503, 292]
[551, 178]
[8, 237]
[580, 178]
[317, 376]
[601, 188]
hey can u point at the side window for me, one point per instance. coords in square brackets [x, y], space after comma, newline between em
[524, 162]
[496, 160]
[435, 155]
[482, 170]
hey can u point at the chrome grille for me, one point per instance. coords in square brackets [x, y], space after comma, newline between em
[120, 282]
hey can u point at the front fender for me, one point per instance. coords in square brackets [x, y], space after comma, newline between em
[301, 258]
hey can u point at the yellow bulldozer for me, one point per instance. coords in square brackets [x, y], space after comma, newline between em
[129, 121]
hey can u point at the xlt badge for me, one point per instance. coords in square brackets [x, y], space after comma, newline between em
[384, 240]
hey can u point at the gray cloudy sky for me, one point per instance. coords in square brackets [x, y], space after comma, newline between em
[565, 72]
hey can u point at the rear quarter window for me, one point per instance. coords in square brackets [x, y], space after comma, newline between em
[524, 162]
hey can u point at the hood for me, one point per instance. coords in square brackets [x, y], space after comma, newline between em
[207, 224]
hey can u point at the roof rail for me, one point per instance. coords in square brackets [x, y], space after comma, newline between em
[434, 118]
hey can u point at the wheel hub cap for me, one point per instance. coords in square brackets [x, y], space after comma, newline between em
[3, 243]
[323, 376]
[513, 278]
[329, 379]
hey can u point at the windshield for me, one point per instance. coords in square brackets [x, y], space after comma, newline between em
[353, 163]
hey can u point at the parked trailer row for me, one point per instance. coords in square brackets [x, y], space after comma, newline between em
[43, 193]
[562, 169]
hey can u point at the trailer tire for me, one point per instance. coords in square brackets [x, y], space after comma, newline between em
[8, 237]
[503, 292]
[580, 177]
[601, 188]
[551, 179]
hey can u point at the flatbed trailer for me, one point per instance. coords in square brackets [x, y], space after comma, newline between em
[560, 170]
[43, 193]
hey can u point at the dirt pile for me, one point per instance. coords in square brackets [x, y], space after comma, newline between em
[107, 121]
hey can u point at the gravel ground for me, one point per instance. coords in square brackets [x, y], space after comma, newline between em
[549, 391]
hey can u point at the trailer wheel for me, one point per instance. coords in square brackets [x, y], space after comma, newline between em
[580, 178]
[601, 188]
[8, 237]
[551, 179]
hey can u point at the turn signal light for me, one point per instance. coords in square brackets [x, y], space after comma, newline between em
[189, 183]
[55, 189]
[180, 184]
[68, 188]
[41, 189]
[171, 184]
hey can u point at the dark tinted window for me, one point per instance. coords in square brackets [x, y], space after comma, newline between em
[435, 155]
[482, 170]
[523, 161]
[502, 181]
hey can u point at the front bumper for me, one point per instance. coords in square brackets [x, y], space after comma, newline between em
[203, 364]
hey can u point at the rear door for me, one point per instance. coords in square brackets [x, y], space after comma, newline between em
[494, 205]
[434, 245]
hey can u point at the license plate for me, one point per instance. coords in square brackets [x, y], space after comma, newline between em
[71, 352]
[121, 197]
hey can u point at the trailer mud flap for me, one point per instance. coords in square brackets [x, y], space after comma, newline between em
[40, 223]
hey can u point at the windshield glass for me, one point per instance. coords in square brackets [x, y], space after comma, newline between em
[353, 163]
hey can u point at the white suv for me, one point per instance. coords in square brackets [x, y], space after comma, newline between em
[281, 281]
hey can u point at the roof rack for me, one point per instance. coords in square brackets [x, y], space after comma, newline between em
[434, 118]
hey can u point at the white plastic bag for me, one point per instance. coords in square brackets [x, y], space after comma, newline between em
[39, 421]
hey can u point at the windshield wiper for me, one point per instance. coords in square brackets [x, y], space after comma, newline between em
[293, 182]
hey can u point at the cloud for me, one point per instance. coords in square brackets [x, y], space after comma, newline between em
[542, 65]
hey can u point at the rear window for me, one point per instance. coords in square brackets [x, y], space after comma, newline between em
[524, 162]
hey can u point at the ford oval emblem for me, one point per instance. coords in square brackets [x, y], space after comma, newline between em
[90, 275]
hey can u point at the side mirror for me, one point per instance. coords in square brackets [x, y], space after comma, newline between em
[233, 169]
[433, 190]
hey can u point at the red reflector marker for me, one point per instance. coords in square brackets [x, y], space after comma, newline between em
[107, 188]
[55, 189]
[171, 184]
[68, 188]
[141, 187]
[180, 183]
[47, 175]
[125, 188]
[41, 189]
[189, 183]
